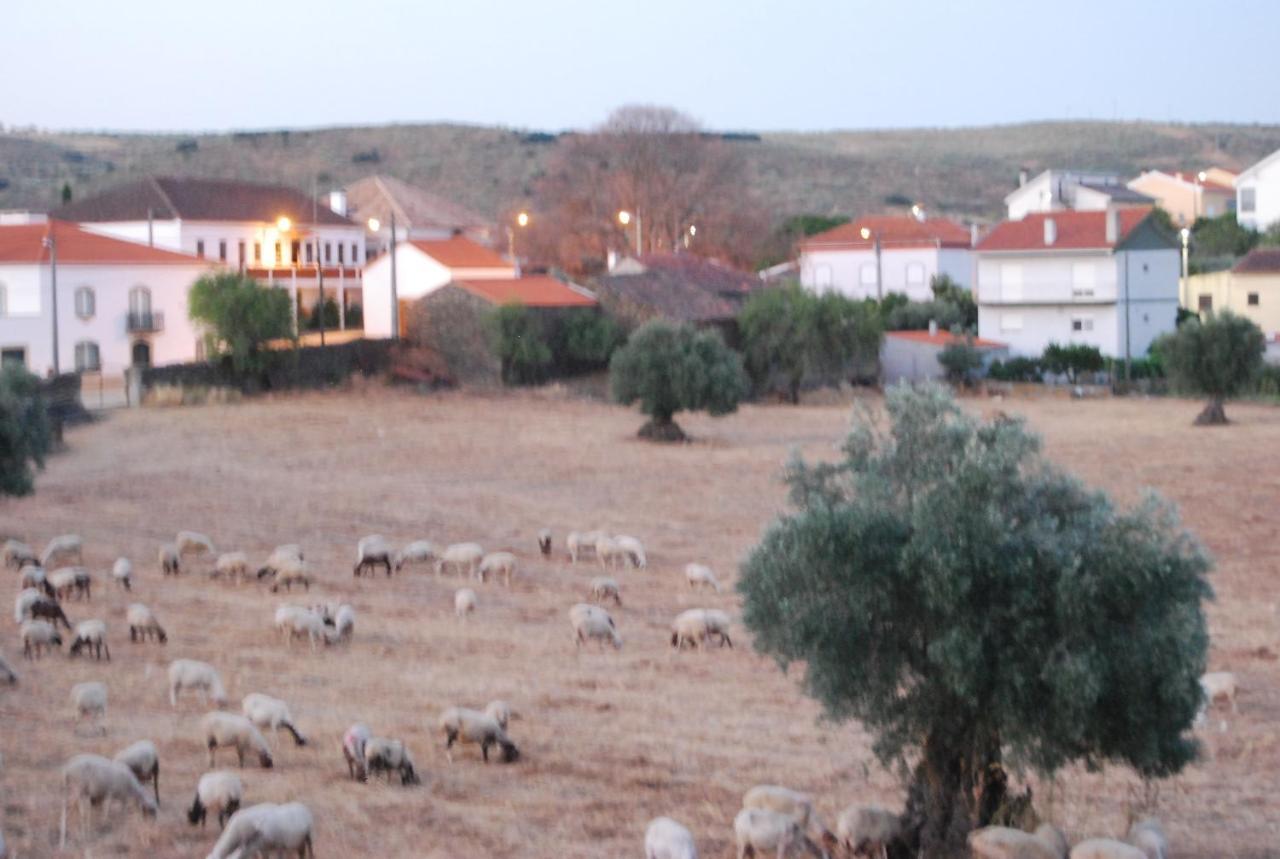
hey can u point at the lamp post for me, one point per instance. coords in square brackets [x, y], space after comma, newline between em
[51, 242]
[868, 233]
[1186, 283]
[688, 237]
[522, 221]
[374, 226]
[625, 218]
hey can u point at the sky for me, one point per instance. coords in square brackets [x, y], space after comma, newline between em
[558, 64]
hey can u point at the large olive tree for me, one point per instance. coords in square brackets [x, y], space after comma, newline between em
[239, 315]
[1219, 358]
[25, 433]
[970, 605]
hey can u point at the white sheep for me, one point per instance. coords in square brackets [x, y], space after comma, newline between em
[353, 744]
[192, 543]
[36, 579]
[92, 781]
[143, 760]
[295, 622]
[270, 713]
[71, 583]
[233, 565]
[143, 624]
[200, 676]
[91, 635]
[867, 830]
[122, 573]
[460, 556]
[344, 622]
[632, 550]
[796, 805]
[758, 830]
[266, 829]
[500, 712]
[604, 588]
[66, 549]
[1105, 848]
[498, 563]
[590, 622]
[579, 543]
[22, 603]
[1003, 842]
[1219, 687]
[18, 554]
[689, 627]
[290, 572]
[280, 556]
[461, 725]
[229, 729]
[608, 552]
[221, 791]
[170, 560]
[666, 839]
[544, 542]
[388, 756]
[373, 551]
[717, 625]
[464, 602]
[38, 635]
[701, 576]
[1148, 836]
[417, 552]
[90, 701]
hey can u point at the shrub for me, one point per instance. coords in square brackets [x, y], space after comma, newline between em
[1219, 358]
[962, 361]
[946, 289]
[520, 344]
[240, 315]
[355, 316]
[25, 432]
[330, 311]
[1016, 369]
[916, 316]
[584, 340]
[670, 368]
[1072, 359]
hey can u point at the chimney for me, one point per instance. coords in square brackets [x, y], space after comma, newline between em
[974, 235]
[933, 328]
[1113, 226]
[1022, 177]
[1050, 231]
[338, 202]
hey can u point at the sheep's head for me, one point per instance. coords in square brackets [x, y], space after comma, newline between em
[264, 760]
[164, 639]
[196, 812]
[510, 754]
[407, 774]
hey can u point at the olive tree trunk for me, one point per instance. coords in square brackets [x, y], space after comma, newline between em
[662, 428]
[957, 787]
[1213, 414]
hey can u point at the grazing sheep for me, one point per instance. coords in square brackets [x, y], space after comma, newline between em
[603, 588]
[62, 550]
[91, 635]
[689, 627]
[544, 542]
[371, 552]
[388, 756]
[465, 726]
[796, 805]
[417, 552]
[22, 604]
[758, 830]
[233, 565]
[200, 676]
[292, 571]
[192, 543]
[340, 621]
[498, 563]
[579, 542]
[1002, 842]
[170, 560]
[7, 674]
[266, 829]
[1105, 848]
[464, 602]
[143, 760]
[1148, 836]
[632, 550]
[143, 624]
[280, 555]
[1219, 686]
[867, 830]
[34, 578]
[220, 790]
[608, 552]
[18, 554]
[71, 583]
[48, 609]
[267, 712]
[228, 729]
[122, 573]
[90, 701]
[500, 712]
[700, 576]
[92, 781]
[590, 622]
[459, 556]
[296, 622]
[353, 745]
[717, 625]
[666, 839]
[36, 636]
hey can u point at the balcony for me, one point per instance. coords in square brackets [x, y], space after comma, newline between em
[144, 323]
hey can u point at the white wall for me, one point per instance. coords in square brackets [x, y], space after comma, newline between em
[1152, 279]
[416, 275]
[1035, 196]
[184, 236]
[903, 270]
[1044, 278]
[1028, 329]
[1266, 185]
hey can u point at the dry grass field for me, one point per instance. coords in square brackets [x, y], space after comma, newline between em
[609, 739]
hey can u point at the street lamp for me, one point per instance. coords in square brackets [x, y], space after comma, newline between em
[374, 226]
[1186, 250]
[693, 231]
[522, 220]
[283, 224]
[624, 218]
[869, 234]
[51, 242]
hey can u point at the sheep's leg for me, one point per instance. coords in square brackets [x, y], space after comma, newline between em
[212, 744]
[173, 695]
[484, 750]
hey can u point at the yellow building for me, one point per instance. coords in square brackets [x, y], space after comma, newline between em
[1187, 196]
[1251, 289]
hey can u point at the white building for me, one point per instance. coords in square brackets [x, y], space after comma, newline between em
[897, 254]
[274, 233]
[1258, 194]
[1107, 279]
[422, 267]
[912, 356]
[1059, 190]
[118, 303]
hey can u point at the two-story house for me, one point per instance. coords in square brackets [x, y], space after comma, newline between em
[875, 256]
[1258, 193]
[1187, 195]
[1079, 190]
[1107, 279]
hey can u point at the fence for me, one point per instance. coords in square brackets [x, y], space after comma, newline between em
[302, 368]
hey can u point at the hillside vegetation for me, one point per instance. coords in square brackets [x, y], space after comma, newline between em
[961, 171]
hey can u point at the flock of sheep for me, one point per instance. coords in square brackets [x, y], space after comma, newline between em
[774, 820]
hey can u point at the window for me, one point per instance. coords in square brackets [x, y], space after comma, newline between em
[308, 251]
[868, 274]
[257, 251]
[328, 252]
[915, 273]
[1248, 199]
[1253, 299]
[140, 301]
[341, 248]
[1082, 323]
[295, 250]
[200, 248]
[1206, 303]
[355, 253]
[1011, 281]
[85, 302]
[1011, 322]
[4, 300]
[222, 249]
[279, 253]
[87, 357]
[241, 250]
[13, 356]
[1084, 279]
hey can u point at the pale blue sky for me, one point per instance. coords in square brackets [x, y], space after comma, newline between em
[554, 64]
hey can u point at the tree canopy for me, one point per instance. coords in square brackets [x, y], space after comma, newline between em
[240, 315]
[1218, 358]
[25, 434]
[971, 604]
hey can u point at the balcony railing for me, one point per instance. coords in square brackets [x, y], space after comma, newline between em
[144, 322]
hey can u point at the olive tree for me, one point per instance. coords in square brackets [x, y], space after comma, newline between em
[669, 368]
[240, 315]
[1218, 358]
[25, 433]
[971, 605]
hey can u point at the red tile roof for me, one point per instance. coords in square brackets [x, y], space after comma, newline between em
[24, 244]
[1259, 261]
[534, 291]
[167, 198]
[1194, 178]
[895, 231]
[943, 338]
[1076, 231]
[459, 252]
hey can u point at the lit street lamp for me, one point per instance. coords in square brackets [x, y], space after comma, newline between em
[374, 226]
[522, 220]
[1186, 283]
[624, 218]
[868, 234]
[693, 231]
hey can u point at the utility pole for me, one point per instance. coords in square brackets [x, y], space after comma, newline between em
[395, 300]
[51, 242]
[315, 232]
